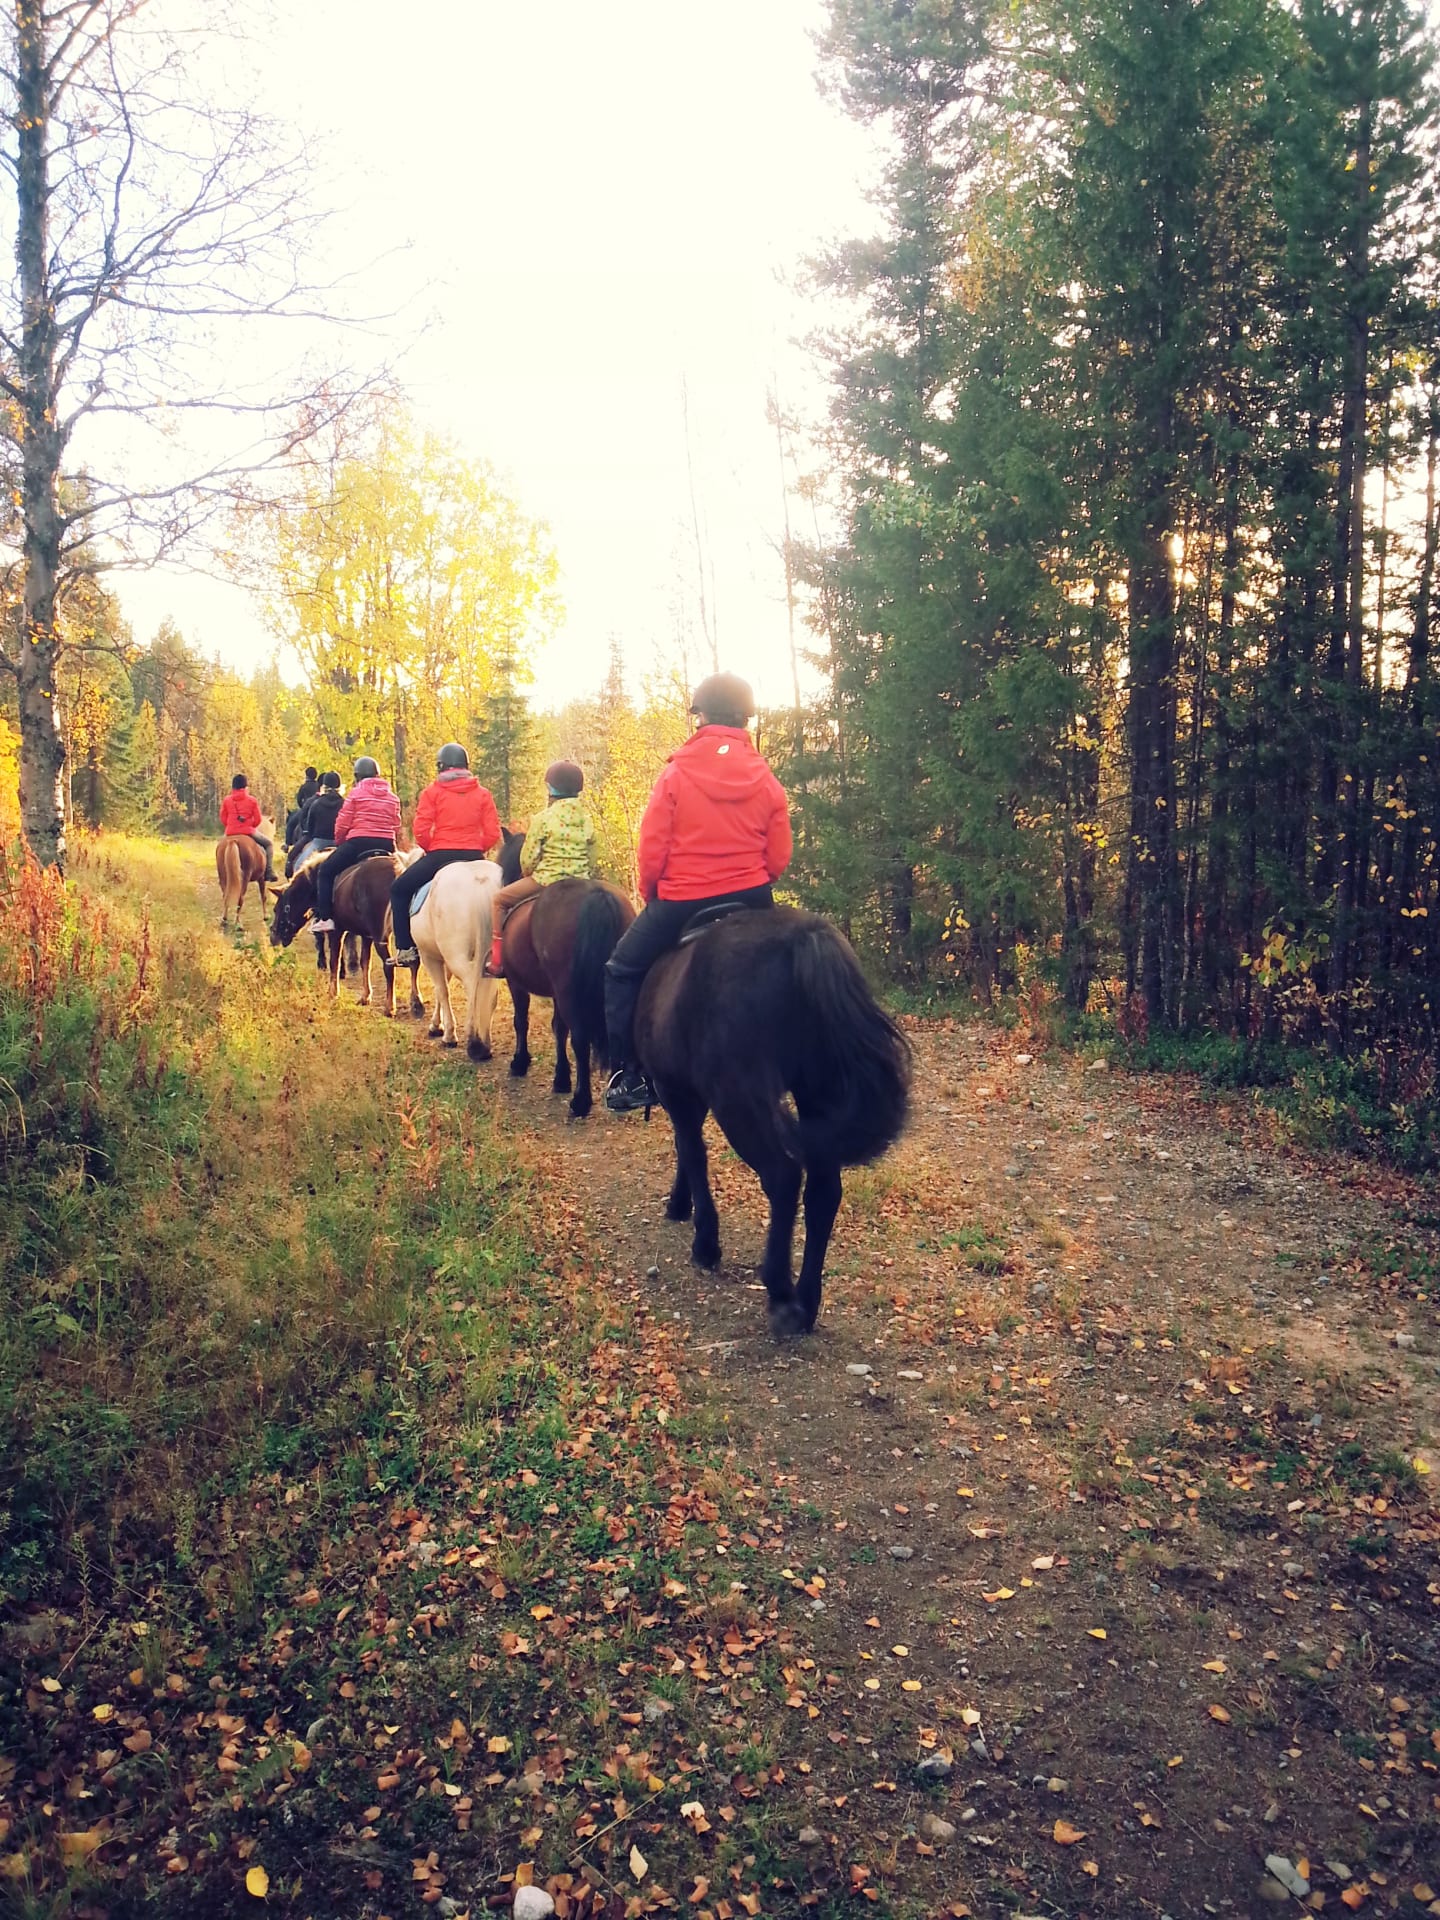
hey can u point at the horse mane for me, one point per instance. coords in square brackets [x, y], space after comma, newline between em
[511, 843]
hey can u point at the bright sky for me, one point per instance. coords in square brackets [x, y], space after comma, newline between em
[597, 205]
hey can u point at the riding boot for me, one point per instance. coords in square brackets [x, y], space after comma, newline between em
[495, 965]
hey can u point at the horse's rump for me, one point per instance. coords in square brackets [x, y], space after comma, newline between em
[777, 997]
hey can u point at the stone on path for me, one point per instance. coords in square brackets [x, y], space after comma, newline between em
[533, 1903]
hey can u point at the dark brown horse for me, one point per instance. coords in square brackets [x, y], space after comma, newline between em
[362, 907]
[239, 863]
[762, 1006]
[555, 948]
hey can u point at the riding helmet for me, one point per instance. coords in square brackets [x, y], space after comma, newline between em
[564, 779]
[365, 769]
[450, 756]
[330, 780]
[724, 699]
[238, 783]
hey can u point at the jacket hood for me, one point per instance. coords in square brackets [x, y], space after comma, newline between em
[460, 778]
[723, 762]
[374, 783]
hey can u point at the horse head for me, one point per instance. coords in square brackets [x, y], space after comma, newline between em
[291, 908]
[510, 844]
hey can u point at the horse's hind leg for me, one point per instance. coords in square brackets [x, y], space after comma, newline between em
[822, 1203]
[584, 1098]
[757, 1134]
[417, 1005]
[562, 1082]
[692, 1176]
[520, 1059]
[365, 945]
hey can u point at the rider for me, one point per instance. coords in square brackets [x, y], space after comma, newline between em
[240, 814]
[560, 845]
[716, 830]
[317, 820]
[307, 790]
[367, 823]
[455, 819]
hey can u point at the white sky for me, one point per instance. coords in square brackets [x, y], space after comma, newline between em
[596, 204]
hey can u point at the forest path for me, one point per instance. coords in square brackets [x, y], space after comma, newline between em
[1131, 1513]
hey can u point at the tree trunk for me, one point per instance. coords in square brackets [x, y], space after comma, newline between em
[42, 748]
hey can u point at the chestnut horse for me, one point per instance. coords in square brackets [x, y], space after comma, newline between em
[763, 1005]
[239, 862]
[555, 947]
[362, 907]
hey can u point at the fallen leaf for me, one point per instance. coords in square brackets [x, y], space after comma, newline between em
[901, 1653]
[75, 1847]
[1219, 1713]
[257, 1881]
[970, 1716]
[1214, 1666]
[1000, 1593]
[497, 1743]
[50, 1684]
[910, 1686]
[639, 1865]
[1043, 1565]
[1065, 1835]
[1092, 1867]
[1097, 1633]
[140, 1741]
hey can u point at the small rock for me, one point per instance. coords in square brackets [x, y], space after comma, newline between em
[1098, 1066]
[654, 1708]
[317, 1730]
[1039, 1291]
[809, 1837]
[967, 1816]
[446, 1907]
[652, 1273]
[859, 1368]
[909, 1373]
[902, 1553]
[1024, 1059]
[1012, 1170]
[1273, 1892]
[1403, 1339]
[533, 1903]
[1284, 1872]
[934, 1828]
[979, 1748]
[1271, 1813]
[1294, 1569]
[935, 1766]
[1056, 1786]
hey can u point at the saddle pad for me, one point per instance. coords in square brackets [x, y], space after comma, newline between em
[422, 894]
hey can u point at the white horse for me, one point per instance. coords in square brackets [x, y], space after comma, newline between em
[452, 934]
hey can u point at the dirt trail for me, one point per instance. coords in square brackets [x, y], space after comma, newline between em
[1124, 1512]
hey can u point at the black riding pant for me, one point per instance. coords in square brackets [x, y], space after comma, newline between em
[348, 854]
[653, 931]
[411, 881]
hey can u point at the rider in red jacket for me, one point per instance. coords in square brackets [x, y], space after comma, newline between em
[240, 814]
[455, 819]
[716, 830]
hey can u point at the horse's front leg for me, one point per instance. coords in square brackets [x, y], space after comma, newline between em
[335, 940]
[417, 1005]
[520, 1059]
[822, 1203]
[319, 953]
[365, 946]
[562, 1081]
[692, 1174]
[387, 967]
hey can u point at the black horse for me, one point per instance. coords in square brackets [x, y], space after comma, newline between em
[763, 1005]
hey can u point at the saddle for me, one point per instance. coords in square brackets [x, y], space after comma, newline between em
[699, 924]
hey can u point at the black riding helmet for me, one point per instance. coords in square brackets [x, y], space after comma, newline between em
[330, 780]
[724, 699]
[451, 756]
[365, 769]
[564, 779]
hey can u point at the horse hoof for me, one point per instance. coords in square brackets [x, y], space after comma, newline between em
[477, 1049]
[433, 1033]
[519, 1067]
[788, 1317]
[580, 1110]
[705, 1253]
[678, 1209]
[449, 1043]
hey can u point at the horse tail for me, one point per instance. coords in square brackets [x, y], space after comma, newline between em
[227, 859]
[853, 1081]
[601, 922]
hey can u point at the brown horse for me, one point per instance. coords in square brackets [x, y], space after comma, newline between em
[763, 1010]
[555, 947]
[362, 907]
[239, 862]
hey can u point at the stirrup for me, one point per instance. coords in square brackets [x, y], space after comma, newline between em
[625, 1094]
[406, 957]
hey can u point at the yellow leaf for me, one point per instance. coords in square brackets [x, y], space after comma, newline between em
[1214, 1666]
[1219, 1713]
[1092, 1867]
[50, 1684]
[1176, 1760]
[1097, 1633]
[497, 1743]
[104, 1711]
[901, 1653]
[75, 1847]
[970, 1716]
[1065, 1835]
[257, 1881]
[542, 1613]
[910, 1686]
[300, 1756]
[968, 1493]
[639, 1865]
[1000, 1593]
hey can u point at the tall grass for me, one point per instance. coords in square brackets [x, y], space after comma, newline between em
[216, 1207]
